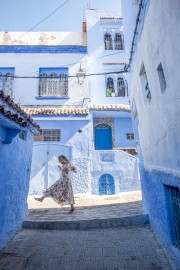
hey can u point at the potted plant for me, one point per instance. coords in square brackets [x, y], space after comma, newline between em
[108, 92]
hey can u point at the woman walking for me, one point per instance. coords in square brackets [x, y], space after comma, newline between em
[61, 191]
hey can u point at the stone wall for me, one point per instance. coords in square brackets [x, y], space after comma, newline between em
[15, 165]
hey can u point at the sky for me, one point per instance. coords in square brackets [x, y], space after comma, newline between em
[22, 15]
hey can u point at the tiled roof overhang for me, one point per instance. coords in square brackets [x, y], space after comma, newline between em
[54, 111]
[14, 112]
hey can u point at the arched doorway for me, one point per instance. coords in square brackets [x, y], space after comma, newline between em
[106, 185]
[103, 137]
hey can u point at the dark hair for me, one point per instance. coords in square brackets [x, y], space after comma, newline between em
[63, 158]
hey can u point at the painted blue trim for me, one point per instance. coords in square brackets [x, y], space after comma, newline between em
[43, 49]
[53, 97]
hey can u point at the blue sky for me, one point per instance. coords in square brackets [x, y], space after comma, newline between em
[21, 15]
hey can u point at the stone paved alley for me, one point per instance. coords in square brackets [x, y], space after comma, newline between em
[124, 247]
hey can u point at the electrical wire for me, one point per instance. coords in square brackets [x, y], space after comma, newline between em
[45, 18]
[83, 61]
[68, 76]
[126, 68]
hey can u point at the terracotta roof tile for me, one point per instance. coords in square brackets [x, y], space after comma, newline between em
[14, 112]
[43, 110]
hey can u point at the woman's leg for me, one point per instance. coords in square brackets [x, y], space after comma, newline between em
[72, 208]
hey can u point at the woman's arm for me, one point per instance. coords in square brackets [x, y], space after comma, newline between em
[73, 169]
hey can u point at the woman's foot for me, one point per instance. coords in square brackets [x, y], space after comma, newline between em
[39, 199]
[72, 210]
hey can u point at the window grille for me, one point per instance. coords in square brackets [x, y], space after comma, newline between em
[121, 87]
[118, 41]
[116, 87]
[110, 87]
[48, 135]
[6, 80]
[108, 41]
[53, 84]
[130, 136]
[175, 201]
[102, 126]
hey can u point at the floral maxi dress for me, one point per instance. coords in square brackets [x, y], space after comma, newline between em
[61, 191]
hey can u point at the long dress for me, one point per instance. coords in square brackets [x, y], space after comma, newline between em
[61, 191]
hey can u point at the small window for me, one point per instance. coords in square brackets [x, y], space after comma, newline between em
[6, 80]
[121, 87]
[162, 79]
[110, 90]
[48, 135]
[118, 41]
[130, 136]
[175, 206]
[108, 41]
[145, 83]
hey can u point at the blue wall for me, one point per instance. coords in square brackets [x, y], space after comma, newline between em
[157, 202]
[68, 128]
[15, 165]
[123, 125]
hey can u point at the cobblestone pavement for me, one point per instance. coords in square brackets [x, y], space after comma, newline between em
[128, 248]
[88, 207]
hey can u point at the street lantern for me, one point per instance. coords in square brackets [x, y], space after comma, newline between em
[80, 76]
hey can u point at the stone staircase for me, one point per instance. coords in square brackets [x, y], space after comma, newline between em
[91, 212]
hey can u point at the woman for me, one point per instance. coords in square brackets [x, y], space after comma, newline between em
[61, 191]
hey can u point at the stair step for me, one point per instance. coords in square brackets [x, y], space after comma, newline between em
[87, 224]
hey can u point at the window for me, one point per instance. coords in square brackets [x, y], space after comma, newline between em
[130, 136]
[113, 41]
[108, 41]
[6, 80]
[144, 82]
[175, 206]
[110, 87]
[53, 82]
[116, 87]
[118, 41]
[162, 79]
[120, 87]
[48, 135]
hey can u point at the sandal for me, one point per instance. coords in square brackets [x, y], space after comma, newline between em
[72, 210]
[38, 199]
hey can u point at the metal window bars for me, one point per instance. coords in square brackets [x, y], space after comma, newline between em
[48, 135]
[53, 85]
[175, 201]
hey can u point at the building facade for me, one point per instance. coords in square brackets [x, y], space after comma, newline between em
[88, 121]
[154, 84]
[16, 143]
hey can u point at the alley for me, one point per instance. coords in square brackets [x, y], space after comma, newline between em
[127, 248]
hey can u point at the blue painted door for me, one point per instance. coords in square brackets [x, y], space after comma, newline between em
[103, 139]
[106, 185]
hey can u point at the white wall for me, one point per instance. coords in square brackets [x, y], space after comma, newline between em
[25, 91]
[41, 38]
[98, 56]
[159, 119]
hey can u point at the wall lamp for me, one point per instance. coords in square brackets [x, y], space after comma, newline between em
[80, 76]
